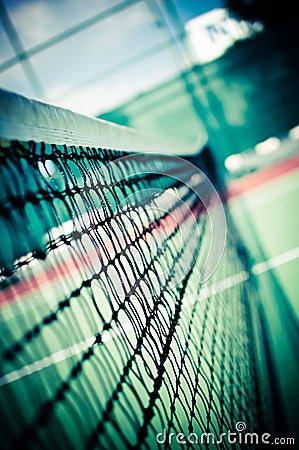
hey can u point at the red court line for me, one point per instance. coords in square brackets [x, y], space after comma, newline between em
[34, 283]
[253, 180]
[236, 188]
[31, 285]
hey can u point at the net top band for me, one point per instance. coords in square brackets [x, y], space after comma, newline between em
[25, 119]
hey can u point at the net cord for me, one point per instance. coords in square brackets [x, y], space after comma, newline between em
[25, 119]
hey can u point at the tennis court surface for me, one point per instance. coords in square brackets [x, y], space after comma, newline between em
[129, 307]
[266, 208]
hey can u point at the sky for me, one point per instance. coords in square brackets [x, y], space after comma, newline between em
[102, 66]
[192, 8]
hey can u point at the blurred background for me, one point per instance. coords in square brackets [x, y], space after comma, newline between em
[223, 74]
[171, 67]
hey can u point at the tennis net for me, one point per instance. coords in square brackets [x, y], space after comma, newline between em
[126, 310]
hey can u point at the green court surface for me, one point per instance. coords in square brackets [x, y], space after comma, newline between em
[268, 219]
[53, 357]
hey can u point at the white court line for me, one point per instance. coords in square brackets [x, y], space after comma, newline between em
[276, 261]
[60, 356]
[47, 361]
[76, 349]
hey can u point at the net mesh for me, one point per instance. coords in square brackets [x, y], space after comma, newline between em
[104, 343]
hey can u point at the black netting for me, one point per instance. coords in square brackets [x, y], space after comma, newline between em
[108, 338]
